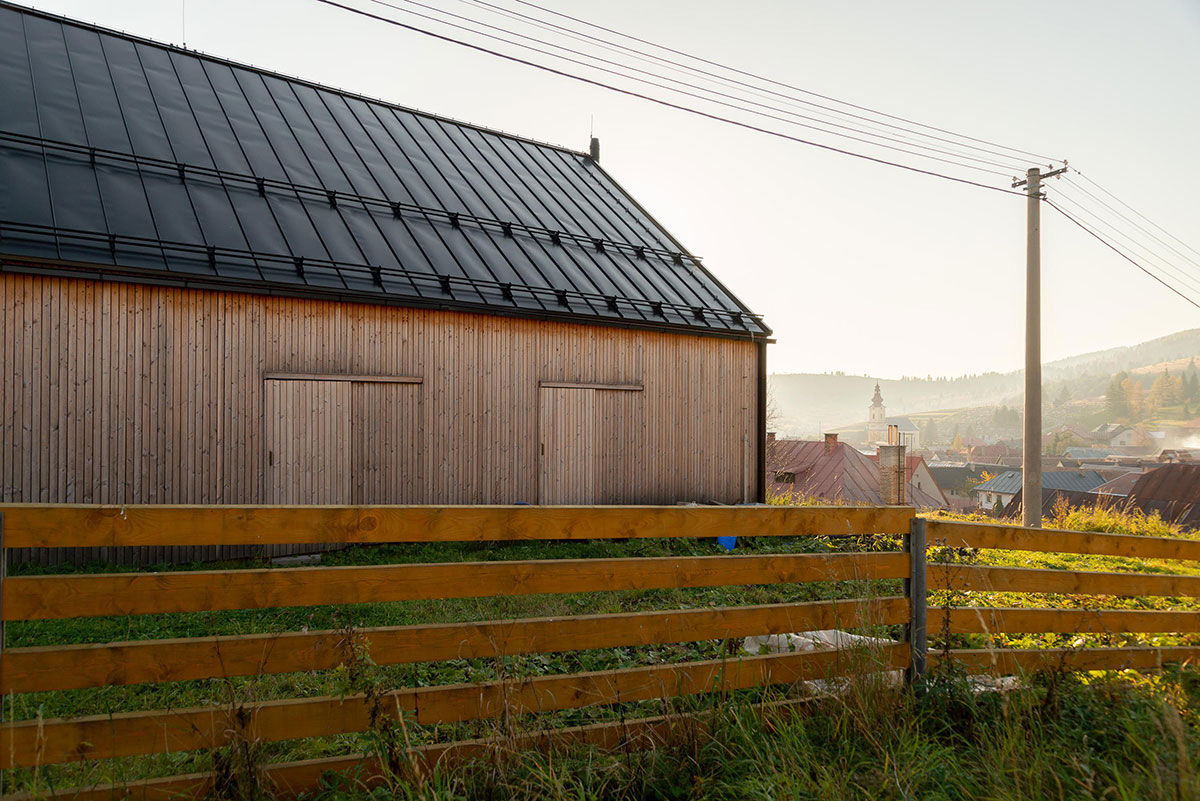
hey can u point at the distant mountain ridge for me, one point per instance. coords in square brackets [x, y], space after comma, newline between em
[1179, 345]
[800, 403]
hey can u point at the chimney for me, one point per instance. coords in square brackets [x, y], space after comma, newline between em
[594, 150]
[830, 442]
[770, 436]
[892, 481]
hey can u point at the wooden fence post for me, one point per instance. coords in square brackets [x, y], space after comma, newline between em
[916, 590]
[3, 573]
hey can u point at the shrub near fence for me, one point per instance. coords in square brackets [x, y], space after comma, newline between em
[79, 667]
[52, 668]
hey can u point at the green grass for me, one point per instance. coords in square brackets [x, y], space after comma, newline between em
[1120, 736]
[596, 768]
[115, 699]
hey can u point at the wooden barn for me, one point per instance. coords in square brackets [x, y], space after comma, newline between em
[221, 285]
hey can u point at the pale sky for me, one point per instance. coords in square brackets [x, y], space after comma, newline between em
[857, 267]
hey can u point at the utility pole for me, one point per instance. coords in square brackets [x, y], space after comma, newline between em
[1031, 460]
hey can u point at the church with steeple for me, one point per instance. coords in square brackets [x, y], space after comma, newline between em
[878, 422]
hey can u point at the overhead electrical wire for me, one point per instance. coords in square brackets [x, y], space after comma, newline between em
[1119, 252]
[1130, 221]
[572, 59]
[1132, 244]
[758, 91]
[1079, 208]
[774, 82]
[1107, 220]
[665, 103]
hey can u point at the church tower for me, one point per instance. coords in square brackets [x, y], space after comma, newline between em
[877, 419]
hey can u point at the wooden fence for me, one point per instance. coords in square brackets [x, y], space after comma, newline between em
[26, 743]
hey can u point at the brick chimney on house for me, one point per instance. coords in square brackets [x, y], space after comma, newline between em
[594, 150]
[770, 436]
[830, 442]
[893, 482]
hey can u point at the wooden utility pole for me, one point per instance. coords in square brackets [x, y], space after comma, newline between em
[1031, 460]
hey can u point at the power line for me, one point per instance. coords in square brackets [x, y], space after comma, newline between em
[1137, 250]
[693, 95]
[1135, 211]
[1119, 252]
[780, 83]
[1134, 224]
[756, 128]
[664, 103]
[757, 91]
[1132, 241]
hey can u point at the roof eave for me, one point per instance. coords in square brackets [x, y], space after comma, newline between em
[98, 272]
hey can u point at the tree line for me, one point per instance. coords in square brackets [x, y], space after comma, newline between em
[1127, 398]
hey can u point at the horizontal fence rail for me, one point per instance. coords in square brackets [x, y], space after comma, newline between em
[955, 534]
[79, 666]
[46, 597]
[292, 779]
[78, 526]
[1014, 661]
[993, 620]
[129, 734]
[38, 669]
[985, 578]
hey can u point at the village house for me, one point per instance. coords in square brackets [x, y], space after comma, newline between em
[1116, 435]
[957, 481]
[920, 477]
[834, 471]
[222, 285]
[1001, 489]
[1170, 491]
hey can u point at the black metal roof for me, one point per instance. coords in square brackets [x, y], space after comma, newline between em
[130, 159]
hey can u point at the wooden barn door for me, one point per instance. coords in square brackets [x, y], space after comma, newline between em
[387, 444]
[567, 446]
[308, 438]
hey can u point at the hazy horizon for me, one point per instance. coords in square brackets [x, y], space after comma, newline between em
[859, 268]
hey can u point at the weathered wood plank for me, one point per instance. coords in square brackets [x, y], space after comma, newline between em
[293, 779]
[1071, 582]
[47, 597]
[77, 526]
[1001, 662]
[45, 668]
[48, 742]
[999, 620]
[955, 534]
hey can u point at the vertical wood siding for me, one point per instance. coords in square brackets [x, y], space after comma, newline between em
[121, 393]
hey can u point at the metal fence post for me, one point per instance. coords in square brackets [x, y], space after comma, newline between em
[915, 589]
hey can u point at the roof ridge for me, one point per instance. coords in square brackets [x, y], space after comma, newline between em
[132, 37]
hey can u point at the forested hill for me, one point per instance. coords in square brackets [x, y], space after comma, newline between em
[802, 402]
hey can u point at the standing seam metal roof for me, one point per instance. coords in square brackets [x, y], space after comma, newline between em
[1010, 482]
[840, 473]
[135, 158]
